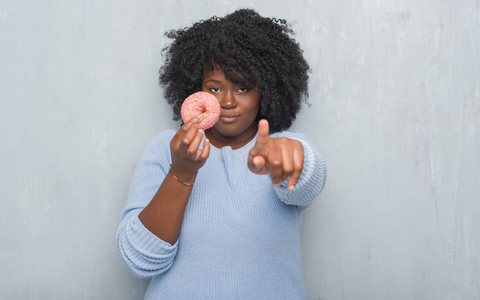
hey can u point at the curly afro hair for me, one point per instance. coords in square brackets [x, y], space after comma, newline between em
[251, 50]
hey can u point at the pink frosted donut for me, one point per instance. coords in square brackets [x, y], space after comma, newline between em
[201, 102]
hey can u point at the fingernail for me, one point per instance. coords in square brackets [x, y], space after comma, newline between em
[200, 116]
[201, 130]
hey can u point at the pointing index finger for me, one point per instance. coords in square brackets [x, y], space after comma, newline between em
[261, 145]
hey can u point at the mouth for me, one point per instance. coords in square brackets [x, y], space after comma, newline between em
[228, 118]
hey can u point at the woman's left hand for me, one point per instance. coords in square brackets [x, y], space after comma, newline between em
[281, 157]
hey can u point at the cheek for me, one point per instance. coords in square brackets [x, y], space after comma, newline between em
[257, 101]
[257, 108]
[254, 107]
[254, 104]
[253, 110]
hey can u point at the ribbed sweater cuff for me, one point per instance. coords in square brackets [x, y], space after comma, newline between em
[145, 254]
[146, 241]
[311, 181]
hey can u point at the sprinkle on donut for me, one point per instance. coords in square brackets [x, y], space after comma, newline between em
[201, 102]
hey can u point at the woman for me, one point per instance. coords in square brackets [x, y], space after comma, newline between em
[216, 214]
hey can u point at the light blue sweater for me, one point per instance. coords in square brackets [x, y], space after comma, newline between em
[240, 235]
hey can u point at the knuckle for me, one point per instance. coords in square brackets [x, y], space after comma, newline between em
[275, 163]
[299, 166]
[288, 169]
[186, 140]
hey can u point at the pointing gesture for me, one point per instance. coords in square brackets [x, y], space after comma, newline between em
[281, 157]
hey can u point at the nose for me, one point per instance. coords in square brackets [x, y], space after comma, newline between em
[228, 100]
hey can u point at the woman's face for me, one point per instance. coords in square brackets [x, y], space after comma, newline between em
[239, 108]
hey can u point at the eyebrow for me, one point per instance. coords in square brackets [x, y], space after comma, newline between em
[213, 80]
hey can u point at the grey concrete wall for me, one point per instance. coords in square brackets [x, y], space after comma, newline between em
[395, 109]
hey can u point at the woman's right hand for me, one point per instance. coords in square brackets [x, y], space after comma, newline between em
[187, 157]
[163, 216]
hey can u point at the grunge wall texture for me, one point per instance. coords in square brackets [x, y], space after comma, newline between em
[395, 110]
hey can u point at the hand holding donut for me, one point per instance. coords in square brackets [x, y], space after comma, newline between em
[281, 157]
[200, 111]
[187, 156]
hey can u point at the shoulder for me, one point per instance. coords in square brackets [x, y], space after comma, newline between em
[292, 135]
[161, 139]
[160, 143]
[308, 145]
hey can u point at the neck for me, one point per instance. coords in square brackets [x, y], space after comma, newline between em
[220, 141]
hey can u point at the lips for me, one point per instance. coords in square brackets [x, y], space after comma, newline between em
[227, 118]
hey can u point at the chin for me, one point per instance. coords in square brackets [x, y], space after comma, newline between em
[228, 132]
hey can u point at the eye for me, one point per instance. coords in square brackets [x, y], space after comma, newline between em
[242, 90]
[214, 90]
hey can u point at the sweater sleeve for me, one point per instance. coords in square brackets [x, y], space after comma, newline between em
[144, 254]
[312, 179]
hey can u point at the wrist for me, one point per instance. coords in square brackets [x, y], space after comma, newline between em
[182, 176]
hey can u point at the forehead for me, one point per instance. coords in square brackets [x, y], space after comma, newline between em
[215, 73]
[220, 73]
